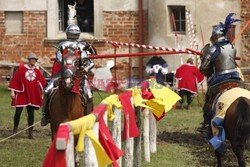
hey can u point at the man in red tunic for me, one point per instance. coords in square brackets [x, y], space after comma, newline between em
[26, 91]
[189, 77]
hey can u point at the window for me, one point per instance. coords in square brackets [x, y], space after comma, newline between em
[178, 19]
[57, 21]
[14, 22]
[61, 15]
[84, 14]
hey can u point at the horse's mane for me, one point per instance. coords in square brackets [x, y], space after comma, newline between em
[72, 14]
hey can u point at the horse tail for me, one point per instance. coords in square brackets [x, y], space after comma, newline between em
[243, 122]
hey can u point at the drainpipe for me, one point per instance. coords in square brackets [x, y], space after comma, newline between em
[140, 37]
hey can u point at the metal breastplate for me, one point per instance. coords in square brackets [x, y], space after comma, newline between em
[72, 46]
[225, 62]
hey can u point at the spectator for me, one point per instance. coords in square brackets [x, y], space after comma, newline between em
[189, 78]
[157, 68]
[26, 91]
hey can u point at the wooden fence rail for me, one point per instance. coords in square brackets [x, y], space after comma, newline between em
[89, 157]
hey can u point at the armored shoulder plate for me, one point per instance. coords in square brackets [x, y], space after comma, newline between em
[206, 67]
[211, 50]
[59, 56]
[82, 46]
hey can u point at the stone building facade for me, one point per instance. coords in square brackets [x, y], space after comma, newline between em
[245, 39]
[40, 23]
[39, 31]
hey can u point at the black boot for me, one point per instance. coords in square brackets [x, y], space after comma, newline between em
[44, 120]
[206, 125]
[88, 107]
[189, 107]
[30, 135]
[17, 119]
[14, 130]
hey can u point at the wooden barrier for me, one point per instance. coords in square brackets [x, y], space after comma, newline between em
[109, 146]
[66, 142]
[89, 152]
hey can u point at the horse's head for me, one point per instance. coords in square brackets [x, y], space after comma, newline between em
[70, 70]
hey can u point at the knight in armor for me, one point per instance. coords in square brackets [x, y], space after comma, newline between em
[218, 65]
[72, 44]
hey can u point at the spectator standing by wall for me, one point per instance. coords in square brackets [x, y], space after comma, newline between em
[26, 91]
[189, 77]
[157, 68]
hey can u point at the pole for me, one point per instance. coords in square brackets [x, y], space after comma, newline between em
[129, 68]
[140, 37]
[241, 31]
[202, 37]
[115, 71]
[137, 54]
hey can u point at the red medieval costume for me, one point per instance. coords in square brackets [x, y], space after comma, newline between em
[189, 77]
[28, 83]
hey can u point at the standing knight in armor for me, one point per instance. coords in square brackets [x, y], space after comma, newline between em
[218, 65]
[72, 44]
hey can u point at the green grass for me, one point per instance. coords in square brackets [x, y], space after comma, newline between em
[179, 145]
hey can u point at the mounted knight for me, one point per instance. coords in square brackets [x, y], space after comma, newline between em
[81, 50]
[219, 66]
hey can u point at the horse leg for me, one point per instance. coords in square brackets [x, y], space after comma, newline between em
[52, 132]
[238, 150]
[218, 156]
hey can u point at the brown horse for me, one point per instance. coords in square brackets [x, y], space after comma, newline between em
[65, 103]
[237, 128]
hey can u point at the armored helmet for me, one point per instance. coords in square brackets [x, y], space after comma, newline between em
[73, 32]
[220, 31]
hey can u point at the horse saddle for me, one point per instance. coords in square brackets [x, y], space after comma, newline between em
[217, 89]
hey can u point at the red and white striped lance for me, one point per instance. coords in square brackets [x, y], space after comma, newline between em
[145, 46]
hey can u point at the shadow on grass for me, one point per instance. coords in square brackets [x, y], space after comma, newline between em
[198, 147]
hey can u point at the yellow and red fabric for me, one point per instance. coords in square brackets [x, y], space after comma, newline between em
[84, 126]
[129, 116]
[54, 157]
[112, 100]
[105, 137]
[156, 97]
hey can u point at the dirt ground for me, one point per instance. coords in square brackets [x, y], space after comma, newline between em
[199, 147]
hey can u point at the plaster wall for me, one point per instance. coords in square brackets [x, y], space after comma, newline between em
[122, 5]
[205, 14]
[22, 5]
